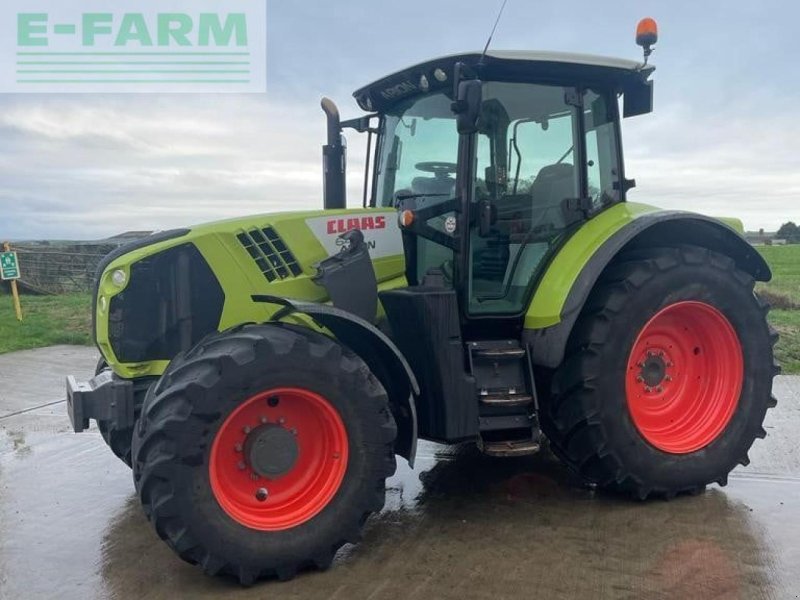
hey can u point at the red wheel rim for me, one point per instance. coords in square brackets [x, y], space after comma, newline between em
[684, 377]
[275, 501]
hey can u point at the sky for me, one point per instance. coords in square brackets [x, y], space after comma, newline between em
[724, 138]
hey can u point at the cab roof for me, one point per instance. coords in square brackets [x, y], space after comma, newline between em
[522, 65]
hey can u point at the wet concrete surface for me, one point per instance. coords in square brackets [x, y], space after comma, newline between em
[460, 525]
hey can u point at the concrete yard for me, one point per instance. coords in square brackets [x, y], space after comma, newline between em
[460, 525]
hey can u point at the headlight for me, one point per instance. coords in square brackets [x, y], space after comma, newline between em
[119, 278]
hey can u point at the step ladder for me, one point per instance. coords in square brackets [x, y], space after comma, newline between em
[506, 395]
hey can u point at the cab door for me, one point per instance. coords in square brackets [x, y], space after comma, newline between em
[528, 166]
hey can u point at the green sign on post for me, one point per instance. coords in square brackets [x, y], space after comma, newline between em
[9, 267]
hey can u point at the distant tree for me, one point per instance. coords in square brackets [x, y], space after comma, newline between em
[789, 232]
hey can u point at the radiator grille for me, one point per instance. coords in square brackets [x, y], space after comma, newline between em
[272, 256]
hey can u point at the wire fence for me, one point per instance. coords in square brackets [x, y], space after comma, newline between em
[61, 267]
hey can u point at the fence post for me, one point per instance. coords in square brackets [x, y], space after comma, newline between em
[14, 290]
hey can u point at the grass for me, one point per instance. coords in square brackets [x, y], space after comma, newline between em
[67, 319]
[783, 293]
[784, 289]
[787, 322]
[47, 320]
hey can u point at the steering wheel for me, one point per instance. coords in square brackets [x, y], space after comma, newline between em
[438, 168]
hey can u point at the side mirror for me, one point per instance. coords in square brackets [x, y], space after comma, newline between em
[468, 105]
[638, 99]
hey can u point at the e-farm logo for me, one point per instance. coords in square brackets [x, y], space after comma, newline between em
[138, 46]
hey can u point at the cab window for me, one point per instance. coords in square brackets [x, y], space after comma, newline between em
[602, 159]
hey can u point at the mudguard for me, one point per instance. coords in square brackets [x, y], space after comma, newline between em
[633, 226]
[380, 354]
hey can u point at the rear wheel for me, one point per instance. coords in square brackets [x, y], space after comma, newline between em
[667, 377]
[263, 450]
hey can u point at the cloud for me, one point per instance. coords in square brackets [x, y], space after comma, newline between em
[721, 140]
[731, 163]
[89, 169]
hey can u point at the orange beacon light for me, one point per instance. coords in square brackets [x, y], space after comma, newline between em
[647, 35]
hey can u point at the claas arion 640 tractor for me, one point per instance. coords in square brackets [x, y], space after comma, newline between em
[261, 374]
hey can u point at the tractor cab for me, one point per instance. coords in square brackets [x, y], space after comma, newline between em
[491, 159]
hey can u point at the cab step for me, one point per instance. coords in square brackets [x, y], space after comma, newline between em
[499, 353]
[510, 448]
[508, 421]
[495, 399]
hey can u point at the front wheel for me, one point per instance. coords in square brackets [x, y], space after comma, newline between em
[263, 450]
[667, 377]
[119, 440]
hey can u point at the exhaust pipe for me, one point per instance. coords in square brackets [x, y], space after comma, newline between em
[334, 157]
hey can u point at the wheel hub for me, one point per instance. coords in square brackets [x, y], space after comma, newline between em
[271, 450]
[653, 370]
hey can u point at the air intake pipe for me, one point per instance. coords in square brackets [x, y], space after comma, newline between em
[334, 158]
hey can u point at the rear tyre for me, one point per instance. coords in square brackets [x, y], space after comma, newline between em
[667, 377]
[263, 450]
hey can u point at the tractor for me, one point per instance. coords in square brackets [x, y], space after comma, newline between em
[261, 374]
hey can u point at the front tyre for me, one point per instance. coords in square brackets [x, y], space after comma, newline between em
[119, 440]
[263, 450]
[667, 377]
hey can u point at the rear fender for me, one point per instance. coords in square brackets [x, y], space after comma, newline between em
[656, 229]
[380, 354]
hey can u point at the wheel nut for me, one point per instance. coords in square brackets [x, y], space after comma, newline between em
[254, 476]
[246, 429]
[281, 420]
[241, 466]
[648, 389]
[668, 378]
[639, 379]
[659, 389]
[263, 420]
[261, 494]
[238, 447]
[293, 430]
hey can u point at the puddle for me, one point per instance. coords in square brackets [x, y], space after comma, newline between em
[460, 525]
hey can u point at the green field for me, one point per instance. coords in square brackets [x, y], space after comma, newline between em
[47, 320]
[784, 289]
[67, 319]
[783, 293]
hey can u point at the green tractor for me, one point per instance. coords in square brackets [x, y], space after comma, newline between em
[261, 374]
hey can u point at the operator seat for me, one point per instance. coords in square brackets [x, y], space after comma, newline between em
[433, 185]
[552, 185]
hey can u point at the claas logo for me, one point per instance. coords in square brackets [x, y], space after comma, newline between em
[336, 226]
